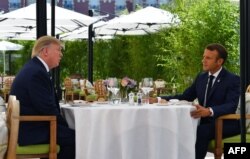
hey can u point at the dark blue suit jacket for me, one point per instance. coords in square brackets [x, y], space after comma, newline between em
[223, 97]
[33, 88]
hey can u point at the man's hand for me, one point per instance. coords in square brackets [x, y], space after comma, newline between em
[155, 100]
[200, 112]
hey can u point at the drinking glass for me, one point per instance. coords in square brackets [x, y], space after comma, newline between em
[113, 87]
[146, 87]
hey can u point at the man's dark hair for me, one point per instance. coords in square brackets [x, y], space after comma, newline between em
[222, 52]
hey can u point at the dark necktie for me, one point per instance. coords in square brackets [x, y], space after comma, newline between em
[210, 84]
[50, 76]
[208, 89]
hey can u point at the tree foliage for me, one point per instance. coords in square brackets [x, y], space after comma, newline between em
[202, 22]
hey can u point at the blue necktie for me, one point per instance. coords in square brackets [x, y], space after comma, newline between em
[208, 89]
[210, 84]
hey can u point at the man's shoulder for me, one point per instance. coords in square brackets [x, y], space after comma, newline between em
[29, 69]
[202, 75]
[229, 74]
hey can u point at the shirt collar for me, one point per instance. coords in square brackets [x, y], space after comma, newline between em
[216, 73]
[44, 63]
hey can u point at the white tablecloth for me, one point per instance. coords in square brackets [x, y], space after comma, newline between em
[133, 132]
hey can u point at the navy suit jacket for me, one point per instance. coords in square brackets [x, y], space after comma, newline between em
[33, 88]
[223, 97]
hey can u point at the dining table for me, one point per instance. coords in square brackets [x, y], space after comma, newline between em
[123, 131]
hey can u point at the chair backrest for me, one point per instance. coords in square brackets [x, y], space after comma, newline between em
[160, 83]
[8, 82]
[68, 84]
[100, 89]
[247, 108]
[159, 86]
[248, 89]
[12, 117]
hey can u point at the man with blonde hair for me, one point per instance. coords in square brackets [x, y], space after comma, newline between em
[34, 89]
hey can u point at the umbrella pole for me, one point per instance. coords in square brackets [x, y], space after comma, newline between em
[4, 63]
[9, 63]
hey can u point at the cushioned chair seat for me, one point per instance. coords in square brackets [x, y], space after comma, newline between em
[234, 139]
[91, 97]
[34, 149]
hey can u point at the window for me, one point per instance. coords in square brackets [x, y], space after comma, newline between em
[152, 3]
[120, 5]
[163, 1]
[94, 4]
[30, 2]
[69, 4]
[14, 4]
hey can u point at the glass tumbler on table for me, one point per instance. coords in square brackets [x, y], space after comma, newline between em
[146, 87]
[113, 87]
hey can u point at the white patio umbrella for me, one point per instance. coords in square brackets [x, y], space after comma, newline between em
[83, 32]
[8, 46]
[144, 21]
[24, 20]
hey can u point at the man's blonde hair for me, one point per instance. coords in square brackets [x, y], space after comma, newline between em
[42, 42]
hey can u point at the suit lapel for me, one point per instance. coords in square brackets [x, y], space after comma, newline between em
[217, 82]
[203, 86]
[36, 60]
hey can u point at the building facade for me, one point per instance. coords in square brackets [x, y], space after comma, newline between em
[100, 7]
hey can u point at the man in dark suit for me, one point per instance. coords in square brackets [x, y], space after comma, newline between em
[34, 89]
[218, 98]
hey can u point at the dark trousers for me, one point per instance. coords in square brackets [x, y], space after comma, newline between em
[206, 133]
[66, 140]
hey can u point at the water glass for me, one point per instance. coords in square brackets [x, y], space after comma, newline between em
[114, 93]
[146, 86]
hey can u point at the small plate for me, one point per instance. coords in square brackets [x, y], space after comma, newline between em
[102, 102]
[80, 104]
[78, 101]
[163, 104]
[184, 102]
[174, 100]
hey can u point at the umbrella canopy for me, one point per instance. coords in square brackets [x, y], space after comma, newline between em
[144, 21]
[83, 33]
[24, 20]
[8, 46]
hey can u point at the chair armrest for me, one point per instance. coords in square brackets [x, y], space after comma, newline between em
[219, 129]
[232, 116]
[37, 118]
[53, 125]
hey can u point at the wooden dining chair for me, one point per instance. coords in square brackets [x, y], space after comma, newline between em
[69, 89]
[6, 87]
[30, 151]
[159, 86]
[100, 89]
[216, 146]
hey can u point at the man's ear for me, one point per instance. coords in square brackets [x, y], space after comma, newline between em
[45, 51]
[220, 61]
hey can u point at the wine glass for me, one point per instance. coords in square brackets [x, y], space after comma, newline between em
[113, 87]
[146, 87]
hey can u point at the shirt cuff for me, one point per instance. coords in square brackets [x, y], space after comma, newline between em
[211, 110]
